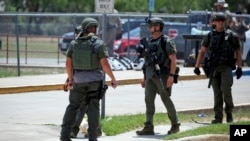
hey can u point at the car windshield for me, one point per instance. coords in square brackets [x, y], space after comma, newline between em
[132, 33]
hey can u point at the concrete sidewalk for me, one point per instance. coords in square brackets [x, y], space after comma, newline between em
[56, 81]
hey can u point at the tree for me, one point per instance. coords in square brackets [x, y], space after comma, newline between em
[86, 6]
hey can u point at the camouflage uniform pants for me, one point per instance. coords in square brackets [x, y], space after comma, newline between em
[152, 87]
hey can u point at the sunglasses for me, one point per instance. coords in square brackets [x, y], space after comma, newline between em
[220, 20]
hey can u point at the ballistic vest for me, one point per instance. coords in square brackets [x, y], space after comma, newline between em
[157, 47]
[85, 53]
[224, 52]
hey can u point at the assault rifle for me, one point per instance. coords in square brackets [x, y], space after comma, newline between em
[151, 52]
[215, 39]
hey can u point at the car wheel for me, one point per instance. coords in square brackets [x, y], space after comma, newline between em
[131, 53]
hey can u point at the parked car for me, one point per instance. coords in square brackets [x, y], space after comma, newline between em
[126, 25]
[64, 41]
[126, 46]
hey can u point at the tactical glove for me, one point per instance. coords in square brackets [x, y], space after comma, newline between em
[238, 73]
[197, 71]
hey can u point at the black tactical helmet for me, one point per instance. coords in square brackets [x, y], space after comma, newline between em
[87, 22]
[154, 20]
[219, 16]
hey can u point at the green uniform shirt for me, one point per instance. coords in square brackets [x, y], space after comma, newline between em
[88, 75]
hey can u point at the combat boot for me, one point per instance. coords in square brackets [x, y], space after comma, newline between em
[73, 135]
[174, 128]
[99, 133]
[147, 130]
[216, 121]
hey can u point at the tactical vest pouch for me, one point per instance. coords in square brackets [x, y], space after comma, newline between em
[232, 64]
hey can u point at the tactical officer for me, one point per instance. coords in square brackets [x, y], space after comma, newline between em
[240, 28]
[83, 108]
[222, 46]
[159, 70]
[114, 28]
[87, 57]
[221, 6]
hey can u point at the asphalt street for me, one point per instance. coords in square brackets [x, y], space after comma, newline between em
[36, 116]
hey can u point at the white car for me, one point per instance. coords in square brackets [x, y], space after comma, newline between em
[246, 49]
[64, 41]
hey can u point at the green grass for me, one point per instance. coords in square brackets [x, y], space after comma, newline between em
[13, 72]
[118, 124]
[211, 129]
[113, 125]
[31, 47]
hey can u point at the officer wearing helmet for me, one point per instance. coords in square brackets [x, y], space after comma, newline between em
[82, 109]
[159, 71]
[221, 46]
[221, 6]
[113, 30]
[87, 60]
[219, 16]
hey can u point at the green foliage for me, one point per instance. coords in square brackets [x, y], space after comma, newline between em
[131, 5]
[76, 6]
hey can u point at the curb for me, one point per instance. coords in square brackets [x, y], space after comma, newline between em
[51, 87]
[209, 109]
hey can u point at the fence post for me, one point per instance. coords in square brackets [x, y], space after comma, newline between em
[104, 30]
[7, 49]
[17, 46]
[26, 49]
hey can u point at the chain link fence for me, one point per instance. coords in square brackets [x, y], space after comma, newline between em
[34, 37]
